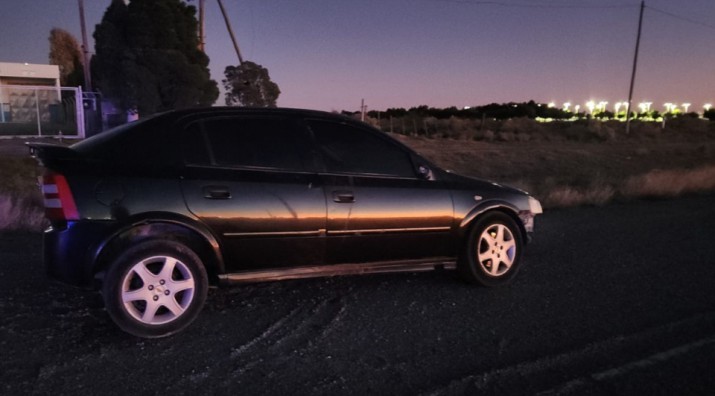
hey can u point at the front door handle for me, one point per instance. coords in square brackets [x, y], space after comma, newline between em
[217, 192]
[343, 196]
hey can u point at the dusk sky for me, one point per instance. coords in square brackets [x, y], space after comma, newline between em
[330, 54]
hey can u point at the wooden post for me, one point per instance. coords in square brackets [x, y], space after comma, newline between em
[633, 74]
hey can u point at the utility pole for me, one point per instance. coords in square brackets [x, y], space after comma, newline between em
[230, 32]
[635, 65]
[202, 32]
[85, 50]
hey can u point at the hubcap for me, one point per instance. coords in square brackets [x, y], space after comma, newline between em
[496, 250]
[157, 290]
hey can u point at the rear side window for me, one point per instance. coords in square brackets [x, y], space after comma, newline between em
[349, 149]
[140, 143]
[246, 142]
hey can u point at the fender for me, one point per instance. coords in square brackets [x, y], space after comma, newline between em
[487, 206]
[149, 225]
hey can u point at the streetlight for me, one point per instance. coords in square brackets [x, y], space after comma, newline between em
[627, 107]
[566, 106]
[686, 106]
[591, 105]
[669, 107]
[707, 106]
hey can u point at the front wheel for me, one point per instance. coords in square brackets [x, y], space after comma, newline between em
[155, 289]
[492, 251]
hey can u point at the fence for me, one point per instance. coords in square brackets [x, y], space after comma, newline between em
[35, 111]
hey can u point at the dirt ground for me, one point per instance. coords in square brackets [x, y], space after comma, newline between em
[541, 167]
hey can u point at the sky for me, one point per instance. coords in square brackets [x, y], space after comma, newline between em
[331, 54]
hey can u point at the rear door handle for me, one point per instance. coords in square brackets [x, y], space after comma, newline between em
[217, 192]
[343, 196]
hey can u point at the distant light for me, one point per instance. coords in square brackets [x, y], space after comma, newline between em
[551, 105]
[591, 105]
[708, 106]
[566, 106]
[669, 107]
[467, 107]
[577, 108]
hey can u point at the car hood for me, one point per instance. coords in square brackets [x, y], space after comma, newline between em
[460, 182]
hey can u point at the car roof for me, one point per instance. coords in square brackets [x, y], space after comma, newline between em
[267, 111]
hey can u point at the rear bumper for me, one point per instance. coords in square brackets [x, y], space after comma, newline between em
[69, 251]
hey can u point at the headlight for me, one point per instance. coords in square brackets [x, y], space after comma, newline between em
[535, 206]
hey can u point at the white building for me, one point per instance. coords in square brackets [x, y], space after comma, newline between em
[20, 102]
[29, 74]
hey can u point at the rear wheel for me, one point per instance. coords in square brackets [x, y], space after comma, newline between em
[492, 252]
[155, 289]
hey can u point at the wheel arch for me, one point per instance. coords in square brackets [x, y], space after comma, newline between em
[487, 207]
[157, 226]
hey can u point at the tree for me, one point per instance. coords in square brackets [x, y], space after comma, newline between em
[147, 57]
[65, 52]
[709, 114]
[249, 84]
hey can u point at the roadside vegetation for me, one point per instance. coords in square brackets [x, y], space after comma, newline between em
[563, 164]
[20, 199]
[585, 162]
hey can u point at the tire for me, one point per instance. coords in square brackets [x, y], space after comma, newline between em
[492, 252]
[155, 288]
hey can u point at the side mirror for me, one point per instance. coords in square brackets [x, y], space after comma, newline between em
[424, 172]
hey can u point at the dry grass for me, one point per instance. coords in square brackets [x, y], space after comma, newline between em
[20, 212]
[567, 173]
[670, 183]
[20, 200]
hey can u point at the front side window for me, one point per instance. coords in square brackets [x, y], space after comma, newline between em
[245, 143]
[350, 149]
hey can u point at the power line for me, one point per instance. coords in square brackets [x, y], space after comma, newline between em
[682, 18]
[574, 6]
[533, 5]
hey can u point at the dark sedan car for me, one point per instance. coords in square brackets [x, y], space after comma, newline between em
[155, 211]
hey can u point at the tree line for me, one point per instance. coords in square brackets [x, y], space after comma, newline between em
[147, 60]
[502, 111]
[506, 111]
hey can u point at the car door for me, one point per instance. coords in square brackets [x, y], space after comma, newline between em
[250, 180]
[378, 207]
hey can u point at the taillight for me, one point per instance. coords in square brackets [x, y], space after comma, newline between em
[59, 203]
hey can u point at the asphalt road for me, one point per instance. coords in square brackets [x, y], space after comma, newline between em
[611, 300]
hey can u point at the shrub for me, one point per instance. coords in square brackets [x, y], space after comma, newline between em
[687, 125]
